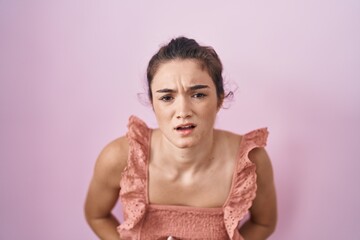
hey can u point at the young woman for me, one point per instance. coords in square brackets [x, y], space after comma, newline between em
[185, 179]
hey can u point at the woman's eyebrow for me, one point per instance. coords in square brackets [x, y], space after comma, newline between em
[197, 87]
[192, 88]
[165, 90]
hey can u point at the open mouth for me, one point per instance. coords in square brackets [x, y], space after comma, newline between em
[185, 127]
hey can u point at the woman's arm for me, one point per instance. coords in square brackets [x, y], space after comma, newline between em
[263, 212]
[104, 189]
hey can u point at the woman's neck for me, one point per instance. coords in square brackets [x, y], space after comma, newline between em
[190, 159]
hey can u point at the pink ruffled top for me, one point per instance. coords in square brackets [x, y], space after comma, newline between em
[143, 220]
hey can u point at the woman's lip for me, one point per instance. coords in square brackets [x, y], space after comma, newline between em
[185, 125]
[185, 131]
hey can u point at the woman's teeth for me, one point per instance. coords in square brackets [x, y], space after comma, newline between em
[185, 127]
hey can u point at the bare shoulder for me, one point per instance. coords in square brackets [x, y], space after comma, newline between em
[228, 137]
[111, 161]
[259, 156]
[228, 142]
[264, 169]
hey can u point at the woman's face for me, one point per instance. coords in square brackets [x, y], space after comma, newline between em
[185, 102]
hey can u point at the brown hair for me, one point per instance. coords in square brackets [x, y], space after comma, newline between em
[184, 48]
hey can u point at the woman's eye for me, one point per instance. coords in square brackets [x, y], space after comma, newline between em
[199, 95]
[166, 98]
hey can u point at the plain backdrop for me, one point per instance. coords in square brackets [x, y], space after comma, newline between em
[72, 72]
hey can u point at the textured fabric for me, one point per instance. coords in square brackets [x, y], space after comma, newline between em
[143, 220]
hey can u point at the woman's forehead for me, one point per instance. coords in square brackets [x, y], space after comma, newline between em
[189, 71]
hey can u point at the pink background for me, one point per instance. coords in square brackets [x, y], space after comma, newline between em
[70, 72]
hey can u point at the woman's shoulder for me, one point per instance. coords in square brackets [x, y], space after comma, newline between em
[227, 136]
[228, 142]
[116, 152]
[253, 141]
[117, 149]
[112, 160]
[258, 135]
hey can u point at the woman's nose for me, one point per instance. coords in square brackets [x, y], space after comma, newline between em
[183, 108]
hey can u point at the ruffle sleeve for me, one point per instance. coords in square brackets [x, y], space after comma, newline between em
[133, 180]
[244, 183]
